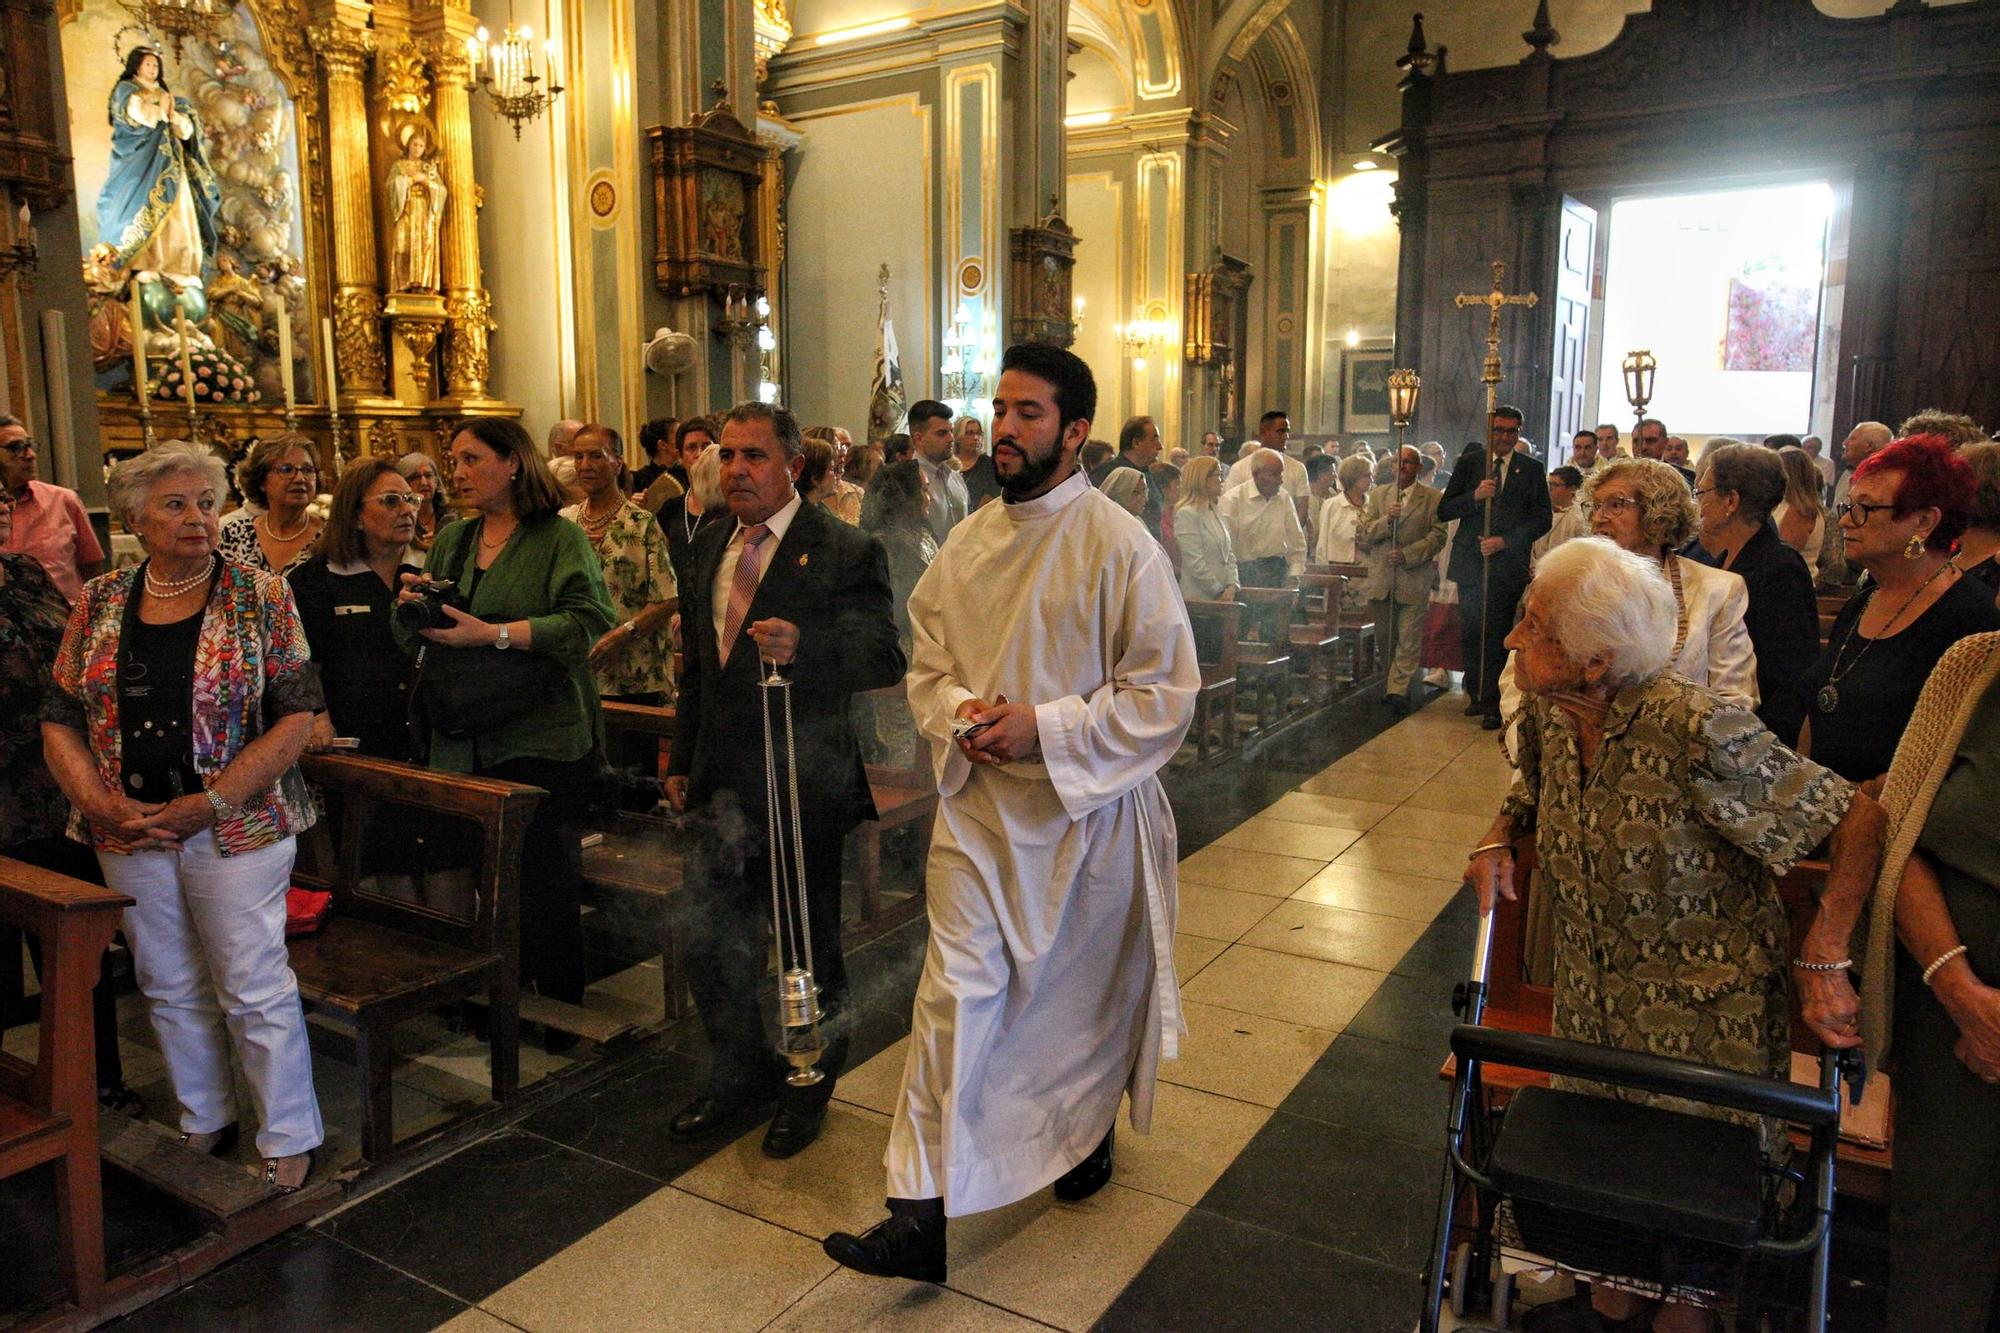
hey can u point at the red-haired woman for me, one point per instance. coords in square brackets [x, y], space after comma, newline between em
[1908, 503]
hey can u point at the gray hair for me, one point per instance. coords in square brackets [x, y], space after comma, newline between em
[1352, 470]
[705, 478]
[1601, 600]
[784, 426]
[1751, 473]
[132, 482]
[1124, 485]
[408, 464]
[1667, 515]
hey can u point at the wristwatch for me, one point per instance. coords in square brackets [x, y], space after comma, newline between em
[223, 809]
[506, 639]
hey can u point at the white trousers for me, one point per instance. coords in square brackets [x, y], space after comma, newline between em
[208, 945]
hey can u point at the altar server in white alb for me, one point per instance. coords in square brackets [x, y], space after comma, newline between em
[1054, 674]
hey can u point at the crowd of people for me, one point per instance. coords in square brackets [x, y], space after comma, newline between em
[1643, 624]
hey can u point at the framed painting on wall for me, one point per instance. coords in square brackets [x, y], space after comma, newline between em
[1364, 386]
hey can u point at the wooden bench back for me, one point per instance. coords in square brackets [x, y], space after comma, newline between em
[1227, 617]
[1270, 612]
[917, 774]
[74, 922]
[350, 784]
[1327, 593]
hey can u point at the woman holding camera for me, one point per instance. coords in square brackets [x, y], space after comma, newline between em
[521, 581]
[344, 593]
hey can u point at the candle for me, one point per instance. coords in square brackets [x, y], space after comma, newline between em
[285, 354]
[187, 361]
[138, 345]
[332, 379]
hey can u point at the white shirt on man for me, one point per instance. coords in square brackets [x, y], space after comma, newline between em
[950, 501]
[725, 570]
[1261, 527]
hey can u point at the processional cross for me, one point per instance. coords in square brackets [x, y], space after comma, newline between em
[1489, 375]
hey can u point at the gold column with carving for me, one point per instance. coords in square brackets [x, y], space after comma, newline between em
[468, 307]
[357, 301]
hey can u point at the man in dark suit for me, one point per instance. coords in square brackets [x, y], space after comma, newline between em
[786, 582]
[1493, 567]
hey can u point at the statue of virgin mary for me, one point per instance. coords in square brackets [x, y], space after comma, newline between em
[158, 205]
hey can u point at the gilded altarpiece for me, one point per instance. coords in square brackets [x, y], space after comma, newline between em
[285, 207]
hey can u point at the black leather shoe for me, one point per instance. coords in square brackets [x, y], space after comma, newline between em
[1088, 1176]
[909, 1243]
[793, 1129]
[1491, 721]
[704, 1114]
[1473, 708]
[1399, 705]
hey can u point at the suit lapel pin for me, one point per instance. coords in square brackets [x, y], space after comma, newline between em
[803, 559]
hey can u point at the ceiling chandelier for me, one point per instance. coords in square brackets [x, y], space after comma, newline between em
[179, 21]
[506, 70]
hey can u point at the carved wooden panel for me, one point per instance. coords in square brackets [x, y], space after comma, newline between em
[1576, 253]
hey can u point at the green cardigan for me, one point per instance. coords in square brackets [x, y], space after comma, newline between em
[547, 575]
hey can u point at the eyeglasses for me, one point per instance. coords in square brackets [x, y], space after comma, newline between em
[1859, 511]
[294, 469]
[1617, 504]
[18, 447]
[394, 499]
[1700, 491]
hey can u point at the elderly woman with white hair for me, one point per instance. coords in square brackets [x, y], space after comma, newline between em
[1661, 816]
[182, 696]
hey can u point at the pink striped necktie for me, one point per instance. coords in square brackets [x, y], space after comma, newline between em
[742, 588]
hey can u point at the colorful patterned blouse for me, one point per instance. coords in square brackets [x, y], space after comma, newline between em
[32, 615]
[239, 543]
[250, 664]
[637, 574]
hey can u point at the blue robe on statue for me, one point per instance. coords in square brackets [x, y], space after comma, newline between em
[141, 202]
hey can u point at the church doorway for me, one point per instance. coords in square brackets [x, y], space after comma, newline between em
[1729, 289]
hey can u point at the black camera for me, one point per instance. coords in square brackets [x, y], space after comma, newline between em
[426, 610]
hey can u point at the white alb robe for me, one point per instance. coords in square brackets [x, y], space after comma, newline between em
[1048, 991]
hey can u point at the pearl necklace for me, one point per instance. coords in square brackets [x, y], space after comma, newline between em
[180, 588]
[283, 538]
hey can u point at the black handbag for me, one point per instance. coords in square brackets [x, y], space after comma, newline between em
[471, 691]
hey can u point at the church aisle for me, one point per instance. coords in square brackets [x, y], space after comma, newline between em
[1288, 1181]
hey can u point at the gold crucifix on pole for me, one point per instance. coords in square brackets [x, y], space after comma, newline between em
[1489, 374]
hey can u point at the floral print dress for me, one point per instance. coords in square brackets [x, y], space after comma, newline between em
[1662, 864]
[637, 574]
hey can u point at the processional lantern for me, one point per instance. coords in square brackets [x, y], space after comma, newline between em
[1639, 367]
[1405, 386]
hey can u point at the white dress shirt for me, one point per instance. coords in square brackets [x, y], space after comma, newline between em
[725, 569]
[1261, 527]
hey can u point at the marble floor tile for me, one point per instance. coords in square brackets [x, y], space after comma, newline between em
[475, 1320]
[1284, 987]
[851, 1303]
[1462, 830]
[1249, 872]
[1406, 855]
[1335, 935]
[1461, 794]
[1328, 811]
[1391, 1092]
[304, 1281]
[878, 1082]
[1289, 838]
[835, 1185]
[1196, 1135]
[464, 1068]
[1388, 789]
[1061, 1263]
[1385, 892]
[1241, 1055]
[673, 1261]
[1193, 952]
[1218, 913]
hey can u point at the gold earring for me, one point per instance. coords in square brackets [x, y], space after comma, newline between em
[1913, 549]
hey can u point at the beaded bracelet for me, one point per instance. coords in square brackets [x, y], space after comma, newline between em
[1840, 966]
[1940, 961]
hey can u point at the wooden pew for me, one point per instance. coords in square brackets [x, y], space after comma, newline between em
[903, 794]
[633, 875]
[379, 960]
[48, 1110]
[1264, 656]
[1317, 638]
[1218, 677]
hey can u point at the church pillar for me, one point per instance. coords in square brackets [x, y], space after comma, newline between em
[468, 308]
[344, 50]
[1205, 396]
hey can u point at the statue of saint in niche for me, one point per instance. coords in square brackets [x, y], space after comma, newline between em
[158, 206]
[416, 210]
